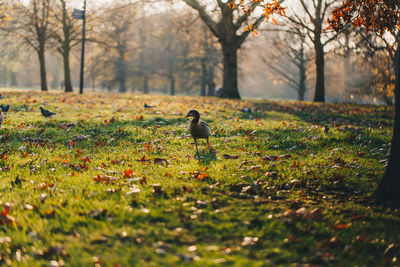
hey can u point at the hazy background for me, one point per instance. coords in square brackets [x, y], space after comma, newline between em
[163, 47]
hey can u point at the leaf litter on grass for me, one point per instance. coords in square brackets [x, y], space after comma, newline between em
[289, 182]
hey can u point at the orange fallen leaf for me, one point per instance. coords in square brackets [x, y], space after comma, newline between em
[128, 173]
[342, 226]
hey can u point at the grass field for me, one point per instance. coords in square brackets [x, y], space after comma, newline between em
[106, 182]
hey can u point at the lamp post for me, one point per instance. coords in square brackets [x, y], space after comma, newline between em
[81, 14]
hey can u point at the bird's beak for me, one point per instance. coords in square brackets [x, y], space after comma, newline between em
[187, 116]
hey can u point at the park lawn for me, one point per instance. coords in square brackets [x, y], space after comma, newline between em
[108, 182]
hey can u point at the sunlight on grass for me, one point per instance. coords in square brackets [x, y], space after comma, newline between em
[108, 181]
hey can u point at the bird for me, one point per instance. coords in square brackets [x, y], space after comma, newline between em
[46, 113]
[148, 106]
[5, 108]
[246, 110]
[198, 129]
[1, 117]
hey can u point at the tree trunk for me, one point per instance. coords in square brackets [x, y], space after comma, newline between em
[389, 187]
[320, 64]
[122, 79]
[67, 71]
[43, 76]
[230, 75]
[121, 70]
[203, 78]
[172, 84]
[302, 88]
[93, 82]
[210, 81]
[145, 84]
[302, 83]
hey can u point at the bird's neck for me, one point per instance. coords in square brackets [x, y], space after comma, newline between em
[196, 120]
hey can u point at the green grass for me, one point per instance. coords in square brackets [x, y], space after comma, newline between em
[108, 182]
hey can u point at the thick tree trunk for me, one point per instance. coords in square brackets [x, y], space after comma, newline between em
[230, 74]
[302, 84]
[121, 72]
[302, 90]
[389, 188]
[43, 76]
[172, 84]
[203, 78]
[210, 81]
[122, 78]
[320, 65]
[67, 71]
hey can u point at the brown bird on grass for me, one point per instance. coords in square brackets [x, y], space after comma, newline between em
[198, 129]
[1, 117]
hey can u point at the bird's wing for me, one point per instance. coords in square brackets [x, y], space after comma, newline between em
[205, 125]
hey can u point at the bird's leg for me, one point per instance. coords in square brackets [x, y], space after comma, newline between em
[195, 142]
[209, 145]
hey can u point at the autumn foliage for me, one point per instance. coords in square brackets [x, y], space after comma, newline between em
[377, 15]
[270, 9]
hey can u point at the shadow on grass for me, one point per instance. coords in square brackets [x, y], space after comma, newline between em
[328, 113]
[205, 158]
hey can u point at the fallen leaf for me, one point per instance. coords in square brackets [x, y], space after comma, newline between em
[342, 226]
[161, 161]
[226, 156]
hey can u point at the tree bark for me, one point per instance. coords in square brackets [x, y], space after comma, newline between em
[121, 77]
[67, 71]
[121, 70]
[302, 86]
[42, 63]
[230, 78]
[210, 81]
[320, 65]
[303, 75]
[389, 187]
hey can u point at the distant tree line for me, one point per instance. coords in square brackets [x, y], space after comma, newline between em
[129, 48]
[195, 48]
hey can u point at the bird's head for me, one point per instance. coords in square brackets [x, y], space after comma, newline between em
[193, 113]
[41, 108]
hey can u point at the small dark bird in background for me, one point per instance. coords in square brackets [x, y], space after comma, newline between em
[148, 106]
[46, 113]
[246, 110]
[1, 117]
[5, 108]
[198, 129]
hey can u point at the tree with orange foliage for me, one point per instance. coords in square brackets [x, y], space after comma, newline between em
[381, 17]
[236, 19]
